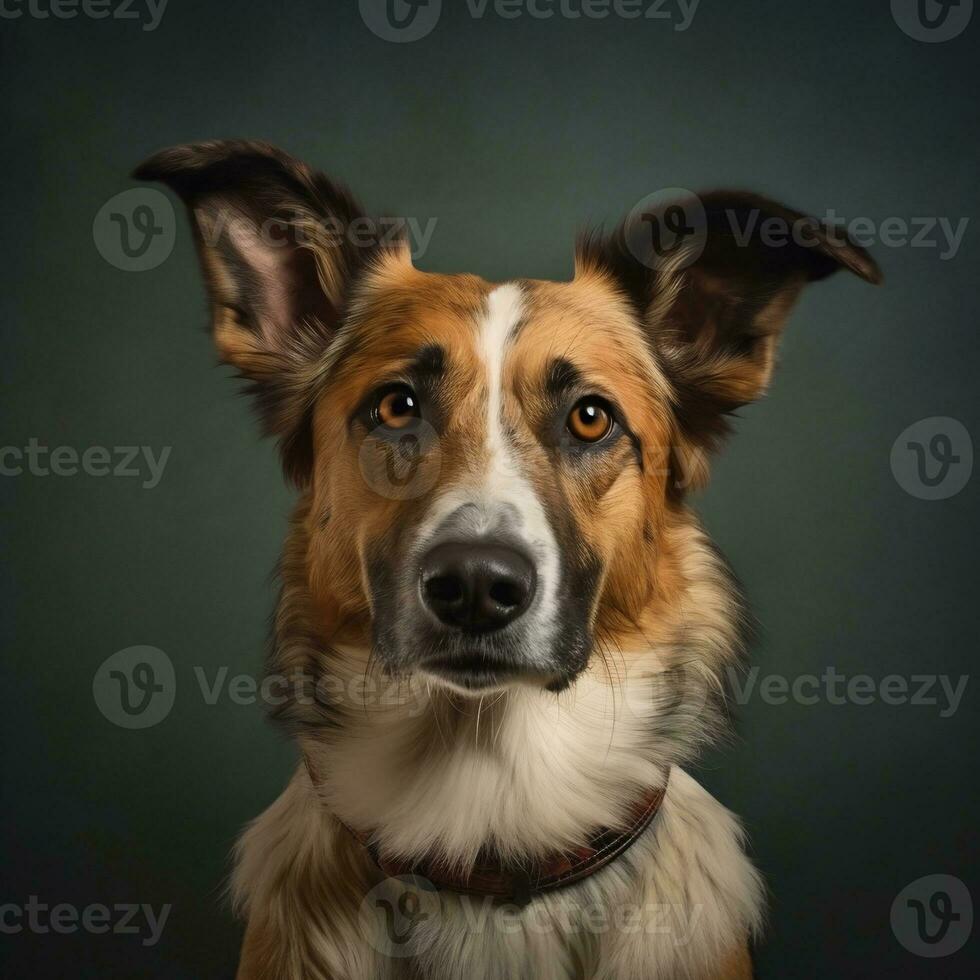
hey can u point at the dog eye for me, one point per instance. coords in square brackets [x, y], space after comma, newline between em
[396, 408]
[590, 420]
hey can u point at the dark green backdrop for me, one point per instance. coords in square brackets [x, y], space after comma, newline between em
[512, 134]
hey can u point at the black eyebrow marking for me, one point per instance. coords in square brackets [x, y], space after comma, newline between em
[427, 372]
[429, 362]
[562, 377]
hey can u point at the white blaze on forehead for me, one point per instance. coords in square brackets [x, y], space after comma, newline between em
[505, 307]
[499, 497]
[506, 486]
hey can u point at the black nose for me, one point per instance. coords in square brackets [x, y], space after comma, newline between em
[477, 586]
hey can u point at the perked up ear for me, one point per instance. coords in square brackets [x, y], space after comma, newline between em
[714, 295]
[281, 247]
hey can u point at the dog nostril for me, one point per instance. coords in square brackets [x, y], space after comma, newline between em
[476, 586]
[444, 588]
[507, 593]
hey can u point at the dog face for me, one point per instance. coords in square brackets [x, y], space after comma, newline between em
[489, 468]
[520, 413]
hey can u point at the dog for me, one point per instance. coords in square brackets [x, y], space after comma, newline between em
[511, 630]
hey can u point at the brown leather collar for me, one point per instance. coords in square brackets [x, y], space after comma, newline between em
[518, 885]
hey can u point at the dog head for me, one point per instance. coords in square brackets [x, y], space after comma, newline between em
[488, 469]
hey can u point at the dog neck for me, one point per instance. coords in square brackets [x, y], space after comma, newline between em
[522, 772]
[518, 883]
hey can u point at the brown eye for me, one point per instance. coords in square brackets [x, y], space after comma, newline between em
[589, 420]
[397, 408]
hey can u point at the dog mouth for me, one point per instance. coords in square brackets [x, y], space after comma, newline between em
[474, 671]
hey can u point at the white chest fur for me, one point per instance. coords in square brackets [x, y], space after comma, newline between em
[673, 906]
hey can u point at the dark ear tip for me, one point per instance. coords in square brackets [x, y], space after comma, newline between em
[183, 166]
[183, 156]
[149, 169]
[172, 165]
[875, 276]
[860, 262]
[873, 273]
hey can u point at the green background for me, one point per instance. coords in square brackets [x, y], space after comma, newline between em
[512, 134]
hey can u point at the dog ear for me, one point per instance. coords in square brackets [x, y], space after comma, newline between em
[279, 261]
[715, 304]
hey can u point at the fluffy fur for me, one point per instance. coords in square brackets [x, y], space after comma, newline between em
[612, 677]
[525, 771]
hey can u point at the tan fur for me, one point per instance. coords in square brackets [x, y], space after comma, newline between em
[604, 708]
[524, 771]
[364, 776]
[398, 311]
[620, 513]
